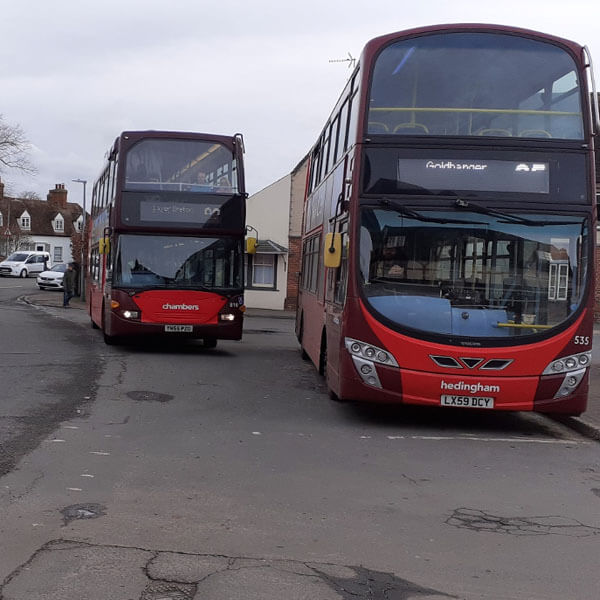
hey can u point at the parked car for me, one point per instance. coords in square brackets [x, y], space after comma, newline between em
[25, 262]
[53, 278]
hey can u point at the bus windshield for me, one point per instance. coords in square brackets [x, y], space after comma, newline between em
[475, 84]
[181, 165]
[466, 273]
[176, 262]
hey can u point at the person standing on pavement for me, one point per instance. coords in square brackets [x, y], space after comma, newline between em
[69, 280]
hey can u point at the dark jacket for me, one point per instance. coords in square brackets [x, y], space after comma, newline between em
[69, 280]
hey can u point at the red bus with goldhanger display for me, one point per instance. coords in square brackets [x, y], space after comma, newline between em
[168, 226]
[450, 223]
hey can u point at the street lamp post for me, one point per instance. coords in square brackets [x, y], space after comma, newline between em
[81, 268]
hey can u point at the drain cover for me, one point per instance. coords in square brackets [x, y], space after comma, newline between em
[162, 590]
[142, 396]
[82, 511]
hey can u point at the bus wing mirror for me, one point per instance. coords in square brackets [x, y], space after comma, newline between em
[332, 257]
[104, 247]
[251, 245]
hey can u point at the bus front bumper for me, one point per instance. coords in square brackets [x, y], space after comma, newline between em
[402, 386]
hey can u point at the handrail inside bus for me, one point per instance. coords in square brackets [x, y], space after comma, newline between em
[524, 326]
[507, 111]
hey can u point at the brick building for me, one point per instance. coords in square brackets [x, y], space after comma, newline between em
[47, 225]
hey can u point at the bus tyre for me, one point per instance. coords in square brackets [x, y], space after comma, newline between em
[209, 343]
[303, 353]
[323, 370]
[94, 326]
[110, 340]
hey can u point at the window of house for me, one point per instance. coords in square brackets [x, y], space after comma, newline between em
[25, 222]
[59, 224]
[1, 220]
[58, 254]
[262, 270]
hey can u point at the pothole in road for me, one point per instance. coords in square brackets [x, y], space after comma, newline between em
[142, 396]
[82, 511]
[162, 590]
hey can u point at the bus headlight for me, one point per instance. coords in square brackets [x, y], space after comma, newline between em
[131, 314]
[568, 363]
[370, 352]
[570, 383]
[365, 356]
[227, 317]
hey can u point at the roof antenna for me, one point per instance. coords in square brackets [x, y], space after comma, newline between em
[350, 60]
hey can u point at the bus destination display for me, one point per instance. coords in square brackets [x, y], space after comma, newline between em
[475, 175]
[160, 211]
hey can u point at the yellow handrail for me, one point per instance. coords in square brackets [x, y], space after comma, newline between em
[508, 111]
[524, 326]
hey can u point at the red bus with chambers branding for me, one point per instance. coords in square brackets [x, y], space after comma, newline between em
[450, 222]
[168, 226]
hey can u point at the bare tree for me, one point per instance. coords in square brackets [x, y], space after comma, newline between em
[29, 195]
[11, 242]
[14, 148]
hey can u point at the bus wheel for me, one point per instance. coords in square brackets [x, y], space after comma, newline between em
[303, 352]
[209, 343]
[111, 340]
[93, 324]
[323, 356]
[323, 370]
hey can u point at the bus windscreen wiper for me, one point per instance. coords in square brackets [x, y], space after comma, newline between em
[484, 210]
[413, 214]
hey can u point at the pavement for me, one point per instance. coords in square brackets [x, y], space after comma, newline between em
[587, 424]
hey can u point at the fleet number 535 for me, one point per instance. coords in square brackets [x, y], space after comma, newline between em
[581, 340]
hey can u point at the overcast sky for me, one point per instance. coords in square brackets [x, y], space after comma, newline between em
[75, 73]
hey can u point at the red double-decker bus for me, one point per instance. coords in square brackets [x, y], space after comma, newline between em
[450, 222]
[168, 225]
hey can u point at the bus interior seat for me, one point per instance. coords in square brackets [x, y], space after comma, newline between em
[536, 133]
[495, 132]
[417, 128]
[377, 127]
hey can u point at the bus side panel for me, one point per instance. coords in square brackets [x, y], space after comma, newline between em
[312, 312]
[334, 347]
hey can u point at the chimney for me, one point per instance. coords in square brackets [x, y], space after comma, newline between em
[58, 196]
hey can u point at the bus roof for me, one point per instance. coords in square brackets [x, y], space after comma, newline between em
[574, 47]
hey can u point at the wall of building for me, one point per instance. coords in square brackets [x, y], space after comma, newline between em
[268, 212]
[298, 192]
[50, 243]
[269, 298]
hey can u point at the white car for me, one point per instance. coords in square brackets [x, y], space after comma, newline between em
[25, 262]
[52, 279]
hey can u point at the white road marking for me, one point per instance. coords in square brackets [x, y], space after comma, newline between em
[87, 475]
[101, 453]
[74, 490]
[473, 438]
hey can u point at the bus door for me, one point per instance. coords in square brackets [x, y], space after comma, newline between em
[337, 280]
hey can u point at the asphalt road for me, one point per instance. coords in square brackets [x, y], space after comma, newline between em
[171, 472]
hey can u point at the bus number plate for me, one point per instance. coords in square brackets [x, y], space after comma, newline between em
[467, 401]
[179, 328]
